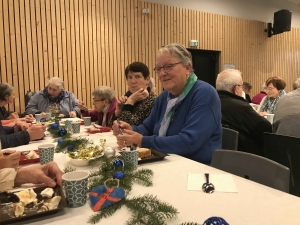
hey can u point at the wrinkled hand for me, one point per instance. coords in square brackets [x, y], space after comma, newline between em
[120, 102]
[13, 115]
[21, 125]
[72, 114]
[138, 96]
[36, 131]
[123, 125]
[82, 106]
[29, 118]
[9, 161]
[129, 138]
[43, 115]
[40, 174]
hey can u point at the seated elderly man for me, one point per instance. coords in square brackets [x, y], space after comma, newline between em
[287, 113]
[54, 99]
[239, 115]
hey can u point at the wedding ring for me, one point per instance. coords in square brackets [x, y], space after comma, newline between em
[124, 143]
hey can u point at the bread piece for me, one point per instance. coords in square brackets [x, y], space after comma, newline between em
[32, 155]
[48, 192]
[144, 153]
[61, 115]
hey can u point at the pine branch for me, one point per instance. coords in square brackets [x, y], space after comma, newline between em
[106, 212]
[143, 177]
[69, 169]
[75, 142]
[54, 134]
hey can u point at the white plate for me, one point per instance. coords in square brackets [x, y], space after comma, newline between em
[72, 119]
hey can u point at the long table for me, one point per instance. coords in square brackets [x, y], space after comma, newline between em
[254, 204]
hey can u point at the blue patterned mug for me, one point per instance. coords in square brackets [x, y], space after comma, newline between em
[46, 153]
[76, 127]
[75, 184]
[130, 157]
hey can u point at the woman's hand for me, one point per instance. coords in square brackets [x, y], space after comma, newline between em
[9, 159]
[21, 125]
[43, 115]
[38, 174]
[13, 115]
[29, 118]
[129, 138]
[72, 114]
[82, 106]
[36, 131]
[138, 96]
[120, 102]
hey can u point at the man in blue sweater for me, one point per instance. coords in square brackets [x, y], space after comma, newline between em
[186, 117]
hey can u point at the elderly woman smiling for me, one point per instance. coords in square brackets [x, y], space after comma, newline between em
[186, 117]
[275, 91]
[104, 102]
[54, 99]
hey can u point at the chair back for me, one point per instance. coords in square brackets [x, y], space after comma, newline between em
[229, 139]
[252, 167]
[286, 151]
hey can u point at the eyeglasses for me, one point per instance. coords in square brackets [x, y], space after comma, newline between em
[269, 88]
[240, 85]
[167, 67]
[98, 100]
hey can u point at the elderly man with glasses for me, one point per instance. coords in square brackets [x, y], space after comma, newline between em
[238, 115]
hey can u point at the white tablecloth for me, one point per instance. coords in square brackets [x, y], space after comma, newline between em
[254, 204]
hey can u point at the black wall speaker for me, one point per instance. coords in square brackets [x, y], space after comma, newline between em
[282, 21]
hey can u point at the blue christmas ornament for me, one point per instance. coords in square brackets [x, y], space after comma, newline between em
[43, 120]
[118, 163]
[118, 175]
[70, 148]
[60, 141]
[62, 132]
[57, 122]
[54, 126]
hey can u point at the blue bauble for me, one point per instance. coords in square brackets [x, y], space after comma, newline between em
[60, 141]
[57, 122]
[54, 126]
[118, 175]
[62, 132]
[118, 163]
[43, 120]
[70, 148]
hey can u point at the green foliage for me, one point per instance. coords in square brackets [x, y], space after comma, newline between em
[75, 142]
[54, 134]
[69, 169]
[149, 210]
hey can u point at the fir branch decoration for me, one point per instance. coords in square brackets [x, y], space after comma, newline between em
[106, 212]
[75, 142]
[149, 210]
[54, 134]
[69, 169]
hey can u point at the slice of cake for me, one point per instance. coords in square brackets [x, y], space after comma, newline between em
[144, 153]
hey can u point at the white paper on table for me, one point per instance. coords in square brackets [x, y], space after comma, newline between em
[222, 182]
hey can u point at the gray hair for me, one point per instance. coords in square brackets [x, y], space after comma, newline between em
[104, 92]
[178, 50]
[228, 79]
[57, 82]
[151, 83]
[296, 84]
[5, 90]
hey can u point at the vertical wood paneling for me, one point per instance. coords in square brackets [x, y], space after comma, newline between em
[89, 43]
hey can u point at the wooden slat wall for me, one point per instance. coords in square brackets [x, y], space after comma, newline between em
[89, 43]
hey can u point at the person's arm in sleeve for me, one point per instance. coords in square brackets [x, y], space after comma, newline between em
[261, 102]
[7, 178]
[92, 113]
[32, 106]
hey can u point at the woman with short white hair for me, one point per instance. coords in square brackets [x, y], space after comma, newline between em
[54, 99]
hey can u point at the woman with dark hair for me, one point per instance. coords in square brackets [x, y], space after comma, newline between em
[7, 96]
[135, 106]
[275, 91]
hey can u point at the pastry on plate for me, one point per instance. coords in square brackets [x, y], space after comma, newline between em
[144, 153]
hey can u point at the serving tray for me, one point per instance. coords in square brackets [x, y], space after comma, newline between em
[155, 156]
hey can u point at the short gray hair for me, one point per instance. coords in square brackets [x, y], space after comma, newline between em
[57, 82]
[5, 90]
[296, 84]
[228, 79]
[151, 83]
[104, 92]
[178, 50]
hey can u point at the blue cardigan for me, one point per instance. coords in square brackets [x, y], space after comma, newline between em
[196, 129]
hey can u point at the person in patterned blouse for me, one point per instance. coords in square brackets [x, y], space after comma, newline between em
[135, 106]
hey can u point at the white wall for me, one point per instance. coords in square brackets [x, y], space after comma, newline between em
[261, 10]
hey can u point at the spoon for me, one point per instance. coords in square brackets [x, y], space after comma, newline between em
[208, 187]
